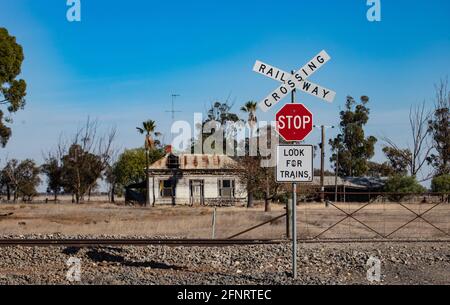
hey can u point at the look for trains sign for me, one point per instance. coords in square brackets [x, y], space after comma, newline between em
[294, 163]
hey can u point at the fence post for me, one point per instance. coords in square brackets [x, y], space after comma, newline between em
[214, 223]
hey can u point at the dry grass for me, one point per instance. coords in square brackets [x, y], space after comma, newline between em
[111, 219]
[179, 221]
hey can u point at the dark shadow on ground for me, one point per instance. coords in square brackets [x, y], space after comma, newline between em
[74, 250]
[71, 250]
[98, 255]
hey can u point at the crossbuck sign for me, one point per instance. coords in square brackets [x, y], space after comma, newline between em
[294, 81]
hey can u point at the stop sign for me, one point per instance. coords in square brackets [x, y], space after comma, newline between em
[294, 122]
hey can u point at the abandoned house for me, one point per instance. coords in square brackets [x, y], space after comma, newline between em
[196, 179]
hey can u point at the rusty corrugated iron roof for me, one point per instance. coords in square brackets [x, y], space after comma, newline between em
[354, 182]
[197, 161]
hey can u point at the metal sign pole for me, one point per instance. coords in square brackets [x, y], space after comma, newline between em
[294, 230]
[294, 213]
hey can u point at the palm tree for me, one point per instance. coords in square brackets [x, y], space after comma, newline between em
[148, 128]
[250, 108]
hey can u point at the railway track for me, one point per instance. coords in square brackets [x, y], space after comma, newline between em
[188, 242]
[134, 242]
[375, 240]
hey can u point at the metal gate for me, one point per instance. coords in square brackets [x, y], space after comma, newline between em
[414, 217]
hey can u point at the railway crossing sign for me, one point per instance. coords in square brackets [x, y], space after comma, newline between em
[298, 80]
[294, 163]
[294, 122]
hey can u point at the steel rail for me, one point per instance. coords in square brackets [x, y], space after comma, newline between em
[134, 242]
[373, 240]
[191, 242]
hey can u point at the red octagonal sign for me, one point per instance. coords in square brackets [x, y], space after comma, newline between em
[294, 122]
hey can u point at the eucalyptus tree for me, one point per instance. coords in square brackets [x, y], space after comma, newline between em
[439, 128]
[21, 178]
[12, 90]
[85, 157]
[351, 145]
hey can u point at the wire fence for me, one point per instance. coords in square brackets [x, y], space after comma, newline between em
[375, 215]
[353, 216]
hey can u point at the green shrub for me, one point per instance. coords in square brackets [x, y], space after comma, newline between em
[441, 184]
[403, 186]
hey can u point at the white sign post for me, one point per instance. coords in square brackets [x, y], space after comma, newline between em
[295, 163]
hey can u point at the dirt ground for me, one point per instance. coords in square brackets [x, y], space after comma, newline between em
[313, 220]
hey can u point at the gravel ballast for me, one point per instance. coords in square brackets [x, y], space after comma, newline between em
[318, 263]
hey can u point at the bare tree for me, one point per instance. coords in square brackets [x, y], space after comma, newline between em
[248, 170]
[110, 176]
[414, 155]
[418, 120]
[259, 179]
[86, 155]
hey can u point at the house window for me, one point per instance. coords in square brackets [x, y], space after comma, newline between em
[226, 188]
[166, 188]
[173, 161]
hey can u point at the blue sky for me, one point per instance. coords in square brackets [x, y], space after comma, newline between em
[122, 62]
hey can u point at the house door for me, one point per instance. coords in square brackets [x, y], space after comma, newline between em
[197, 192]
